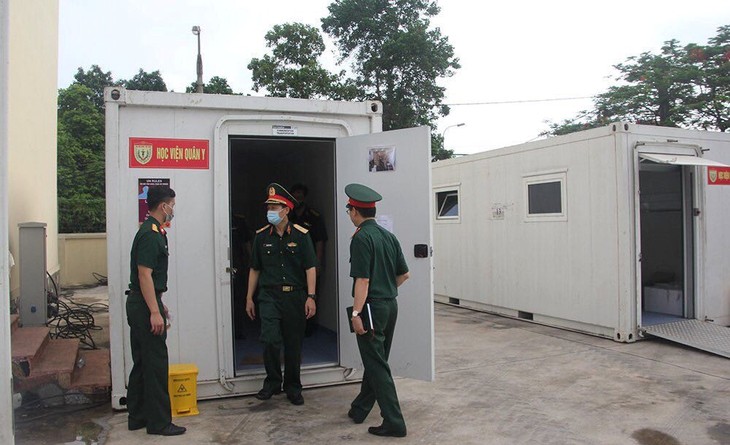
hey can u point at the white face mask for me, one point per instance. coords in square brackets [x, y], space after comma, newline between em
[168, 216]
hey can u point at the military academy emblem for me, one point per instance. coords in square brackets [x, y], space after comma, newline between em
[272, 192]
[143, 153]
[713, 175]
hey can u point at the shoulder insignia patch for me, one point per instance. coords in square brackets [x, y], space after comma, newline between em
[155, 229]
[300, 228]
[263, 228]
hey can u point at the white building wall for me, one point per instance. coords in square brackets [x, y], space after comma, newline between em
[7, 434]
[32, 102]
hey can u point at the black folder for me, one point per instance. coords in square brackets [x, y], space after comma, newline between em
[365, 315]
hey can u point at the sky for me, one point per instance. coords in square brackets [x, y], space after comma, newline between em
[517, 51]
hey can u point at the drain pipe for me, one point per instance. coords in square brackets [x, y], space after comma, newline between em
[7, 429]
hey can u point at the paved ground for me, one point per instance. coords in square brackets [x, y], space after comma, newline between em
[498, 381]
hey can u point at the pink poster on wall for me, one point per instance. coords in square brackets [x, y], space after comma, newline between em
[143, 186]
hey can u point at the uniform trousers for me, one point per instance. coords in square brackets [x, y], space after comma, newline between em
[377, 381]
[282, 326]
[148, 400]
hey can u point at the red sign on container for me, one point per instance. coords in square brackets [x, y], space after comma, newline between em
[718, 175]
[169, 153]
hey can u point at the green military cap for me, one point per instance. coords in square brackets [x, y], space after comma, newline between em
[362, 196]
[278, 195]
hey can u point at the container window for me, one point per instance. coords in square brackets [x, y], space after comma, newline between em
[545, 197]
[447, 203]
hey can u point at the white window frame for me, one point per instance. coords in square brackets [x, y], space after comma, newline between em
[560, 176]
[447, 189]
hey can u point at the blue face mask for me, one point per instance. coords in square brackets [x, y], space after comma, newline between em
[273, 217]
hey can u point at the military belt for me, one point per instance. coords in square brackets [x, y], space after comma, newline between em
[284, 288]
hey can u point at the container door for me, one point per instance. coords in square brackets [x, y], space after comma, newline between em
[666, 194]
[397, 165]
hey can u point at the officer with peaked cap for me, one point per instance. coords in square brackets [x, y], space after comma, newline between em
[283, 267]
[378, 268]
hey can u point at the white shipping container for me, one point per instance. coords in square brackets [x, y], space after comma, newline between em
[570, 230]
[219, 152]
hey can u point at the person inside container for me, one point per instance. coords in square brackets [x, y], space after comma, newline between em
[240, 259]
[312, 220]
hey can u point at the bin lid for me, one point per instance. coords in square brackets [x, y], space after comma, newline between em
[182, 368]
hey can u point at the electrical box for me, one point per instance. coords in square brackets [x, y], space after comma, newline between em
[33, 301]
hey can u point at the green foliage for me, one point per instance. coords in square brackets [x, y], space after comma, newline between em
[293, 68]
[680, 87]
[216, 85]
[81, 213]
[438, 152]
[80, 161]
[393, 53]
[710, 65]
[144, 81]
[96, 80]
[395, 56]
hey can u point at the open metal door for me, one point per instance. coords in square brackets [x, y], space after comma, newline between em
[691, 332]
[397, 165]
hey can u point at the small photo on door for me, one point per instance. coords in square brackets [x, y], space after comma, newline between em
[381, 159]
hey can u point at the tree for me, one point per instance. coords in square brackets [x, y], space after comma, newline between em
[293, 68]
[680, 87]
[395, 56]
[216, 85]
[710, 66]
[96, 80]
[145, 81]
[81, 203]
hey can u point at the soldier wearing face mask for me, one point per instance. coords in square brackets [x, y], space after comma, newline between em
[283, 268]
[148, 401]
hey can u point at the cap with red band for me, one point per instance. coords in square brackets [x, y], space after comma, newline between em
[279, 195]
[362, 196]
[363, 205]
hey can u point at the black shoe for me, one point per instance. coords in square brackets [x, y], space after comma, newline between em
[297, 399]
[265, 394]
[355, 418]
[170, 430]
[385, 431]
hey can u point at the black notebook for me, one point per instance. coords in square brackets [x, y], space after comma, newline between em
[365, 315]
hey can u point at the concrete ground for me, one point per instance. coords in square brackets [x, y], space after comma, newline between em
[498, 381]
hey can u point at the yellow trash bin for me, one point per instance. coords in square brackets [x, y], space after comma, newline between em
[182, 385]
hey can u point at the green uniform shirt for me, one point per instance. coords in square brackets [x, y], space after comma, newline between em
[311, 220]
[283, 260]
[375, 253]
[149, 249]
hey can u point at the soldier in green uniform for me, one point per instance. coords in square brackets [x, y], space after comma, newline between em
[148, 401]
[378, 268]
[283, 267]
[312, 220]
